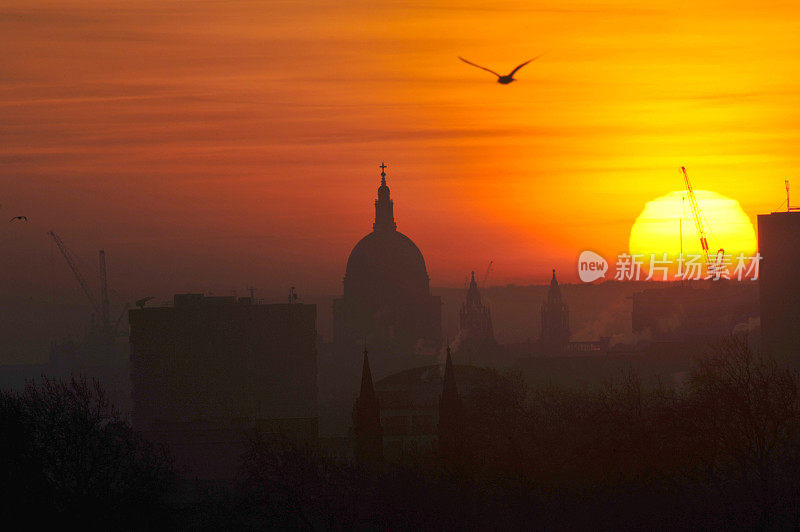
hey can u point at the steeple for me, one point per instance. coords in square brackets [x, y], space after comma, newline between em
[367, 419]
[449, 412]
[367, 389]
[554, 293]
[555, 318]
[475, 331]
[384, 207]
[449, 389]
[473, 295]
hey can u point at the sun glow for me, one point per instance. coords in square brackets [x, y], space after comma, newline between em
[665, 225]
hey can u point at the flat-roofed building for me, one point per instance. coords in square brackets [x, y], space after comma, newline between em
[221, 362]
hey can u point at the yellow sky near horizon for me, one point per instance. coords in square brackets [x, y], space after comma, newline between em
[208, 143]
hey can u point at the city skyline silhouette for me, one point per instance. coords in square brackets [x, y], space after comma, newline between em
[299, 265]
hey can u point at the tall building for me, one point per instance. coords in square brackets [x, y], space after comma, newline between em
[555, 319]
[207, 368]
[779, 284]
[387, 300]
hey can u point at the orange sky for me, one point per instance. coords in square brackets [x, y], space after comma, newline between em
[216, 145]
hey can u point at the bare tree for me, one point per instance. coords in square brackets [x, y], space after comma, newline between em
[748, 408]
[88, 461]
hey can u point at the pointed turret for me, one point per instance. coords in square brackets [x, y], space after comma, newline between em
[367, 388]
[367, 420]
[384, 206]
[473, 294]
[555, 318]
[450, 396]
[449, 412]
[554, 292]
[475, 331]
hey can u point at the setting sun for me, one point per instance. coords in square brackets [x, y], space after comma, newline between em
[659, 227]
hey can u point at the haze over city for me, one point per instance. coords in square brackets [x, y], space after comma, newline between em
[388, 265]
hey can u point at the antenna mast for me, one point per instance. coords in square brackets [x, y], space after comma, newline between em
[683, 215]
[789, 205]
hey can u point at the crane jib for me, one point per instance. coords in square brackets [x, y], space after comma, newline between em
[698, 222]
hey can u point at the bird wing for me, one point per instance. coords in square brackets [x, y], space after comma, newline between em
[523, 64]
[482, 68]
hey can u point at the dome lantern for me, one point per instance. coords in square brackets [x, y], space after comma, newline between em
[384, 206]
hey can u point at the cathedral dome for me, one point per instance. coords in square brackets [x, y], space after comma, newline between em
[386, 265]
[386, 260]
[387, 299]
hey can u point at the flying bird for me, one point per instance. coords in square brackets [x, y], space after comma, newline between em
[504, 80]
[23, 218]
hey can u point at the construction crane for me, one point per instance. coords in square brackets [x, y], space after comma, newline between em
[486, 275]
[74, 267]
[698, 222]
[100, 306]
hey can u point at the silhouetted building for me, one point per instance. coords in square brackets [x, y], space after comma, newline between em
[450, 413]
[207, 368]
[367, 431]
[387, 300]
[475, 332]
[779, 284]
[555, 319]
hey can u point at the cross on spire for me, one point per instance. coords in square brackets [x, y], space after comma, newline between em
[384, 216]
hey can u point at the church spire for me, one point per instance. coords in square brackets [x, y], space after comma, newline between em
[554, 294]
[449, 389]
[367, 389]
[555, 318]
[473, 294]
[384, 207]
[449, 413]
[475, 330]
[367, 419]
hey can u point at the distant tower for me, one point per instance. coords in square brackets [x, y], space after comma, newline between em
[475, 331]
[367, 420]
[555, 318]
[450, 413]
